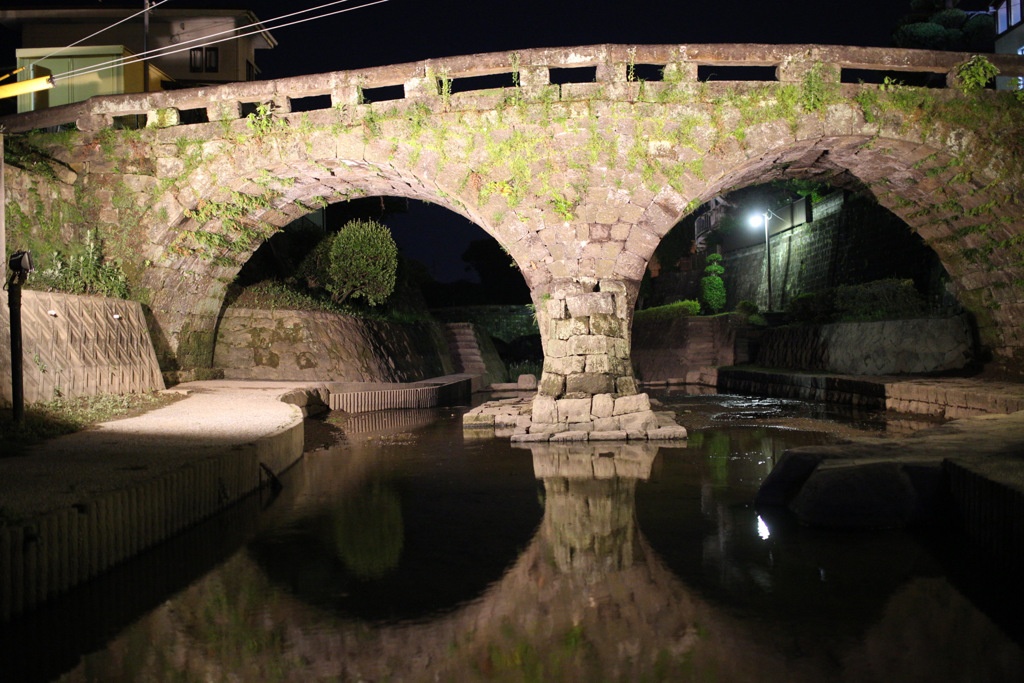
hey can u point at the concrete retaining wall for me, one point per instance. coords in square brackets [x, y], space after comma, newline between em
[323, 347]
[78, 346]
[43, 557]
[888, 347]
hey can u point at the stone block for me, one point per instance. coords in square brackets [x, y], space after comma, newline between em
[601, 364]
[548, 427]
[544, 409]
[631, 404]
[644, 422]
[602, 405]
[589, 383]
[527, 382]
[675, 433]
[556, 309]
[556, 348]
[573, 410]
[861, 496]
[566, 365]
[606, 424]
[591, 303]
[606, 325]
[581, 426]
[551, 384]
[787, 477]
[586, 345]
[571, 327]
[626, 385]
[609, 435]
[478, 420]
[570, 436]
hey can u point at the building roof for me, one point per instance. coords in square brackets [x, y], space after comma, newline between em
[15, 18]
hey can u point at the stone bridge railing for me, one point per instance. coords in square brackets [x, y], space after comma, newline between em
[576, 67]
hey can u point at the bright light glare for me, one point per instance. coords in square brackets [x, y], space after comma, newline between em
[755, 220]
[762, 529]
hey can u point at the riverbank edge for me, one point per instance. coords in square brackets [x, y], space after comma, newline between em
[54, 546]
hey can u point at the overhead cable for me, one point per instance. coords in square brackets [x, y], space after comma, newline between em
[204, 41]
[93, 35]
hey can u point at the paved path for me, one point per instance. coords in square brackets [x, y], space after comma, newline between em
[216, 415]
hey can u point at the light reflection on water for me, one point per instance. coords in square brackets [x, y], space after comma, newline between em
[407, 552]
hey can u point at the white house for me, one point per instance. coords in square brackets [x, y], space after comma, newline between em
[185, 37]
[1009, 37]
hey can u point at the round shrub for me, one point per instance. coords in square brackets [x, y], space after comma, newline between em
[950, 18]
[362, 262]
[747, 308]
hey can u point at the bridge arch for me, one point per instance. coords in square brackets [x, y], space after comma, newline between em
[579, 182]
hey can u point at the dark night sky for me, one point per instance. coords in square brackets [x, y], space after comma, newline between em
[410, 30]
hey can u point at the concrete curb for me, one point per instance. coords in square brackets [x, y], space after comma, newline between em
[51, 552]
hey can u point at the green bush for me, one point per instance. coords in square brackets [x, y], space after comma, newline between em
[84, 271]
[747, 308]
[712, 287]
[878, 300]
[817, 307]
[362, 262]
[950, 18]
[676, 309]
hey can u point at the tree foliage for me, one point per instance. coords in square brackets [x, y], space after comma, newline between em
[361, 261]
[937, 25]
[712, 287]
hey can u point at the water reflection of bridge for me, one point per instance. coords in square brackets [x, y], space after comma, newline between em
[588, 599]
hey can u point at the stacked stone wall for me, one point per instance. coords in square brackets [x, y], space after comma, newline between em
[850, 241]
[889, 347]
[668, 350]
[321, 346]
[506, 322]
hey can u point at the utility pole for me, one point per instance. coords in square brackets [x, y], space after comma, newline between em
[145, 45]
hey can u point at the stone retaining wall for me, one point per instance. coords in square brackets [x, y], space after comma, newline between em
[888, 347]
[78, 346]
[668, 349]
[947, 398]
[320, 346]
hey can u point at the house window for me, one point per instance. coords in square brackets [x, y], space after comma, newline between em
[1007, 15]
[204, 60]
[212, 60]
[1020, 81]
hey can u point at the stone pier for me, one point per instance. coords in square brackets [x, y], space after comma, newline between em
[587, 391]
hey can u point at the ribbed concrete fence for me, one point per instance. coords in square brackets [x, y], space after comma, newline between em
[79, 346]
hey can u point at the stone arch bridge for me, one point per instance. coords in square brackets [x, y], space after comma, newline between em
[577, 160]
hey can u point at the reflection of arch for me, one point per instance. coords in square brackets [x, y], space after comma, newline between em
[600, 621]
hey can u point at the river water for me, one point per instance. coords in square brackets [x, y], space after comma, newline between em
[402, 549]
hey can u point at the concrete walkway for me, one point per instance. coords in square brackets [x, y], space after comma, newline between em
[215, 416]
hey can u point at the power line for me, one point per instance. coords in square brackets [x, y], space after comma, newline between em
[189, 45]
[57, 52]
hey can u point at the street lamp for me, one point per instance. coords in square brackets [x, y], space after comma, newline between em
[757, 220]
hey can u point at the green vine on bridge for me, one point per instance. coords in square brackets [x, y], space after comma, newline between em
[241, 233]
